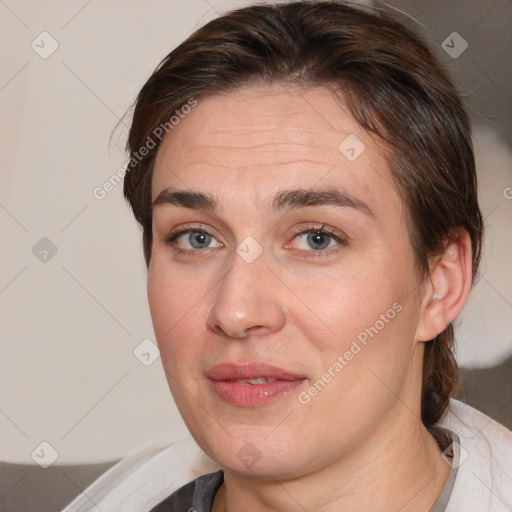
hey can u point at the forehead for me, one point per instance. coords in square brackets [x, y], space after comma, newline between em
[258, 140]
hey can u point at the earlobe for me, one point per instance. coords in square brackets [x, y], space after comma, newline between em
[448, 287]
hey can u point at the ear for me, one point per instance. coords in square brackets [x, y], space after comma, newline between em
[447, 288]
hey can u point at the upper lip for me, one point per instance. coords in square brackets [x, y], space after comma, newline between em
[231, 371]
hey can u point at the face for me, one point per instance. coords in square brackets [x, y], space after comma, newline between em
[282, 283]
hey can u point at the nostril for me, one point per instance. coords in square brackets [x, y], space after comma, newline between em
[243, 333]
[219, 331]
[255, 328]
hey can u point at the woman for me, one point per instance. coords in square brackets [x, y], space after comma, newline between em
[305, 181]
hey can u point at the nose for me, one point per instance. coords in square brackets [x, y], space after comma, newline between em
[247, 301]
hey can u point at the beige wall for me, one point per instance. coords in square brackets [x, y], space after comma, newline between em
[70, 321]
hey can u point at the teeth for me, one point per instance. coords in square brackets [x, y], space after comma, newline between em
[258, 380]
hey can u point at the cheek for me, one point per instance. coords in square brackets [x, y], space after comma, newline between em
[367, 317]
[177, 308]
[342, 306]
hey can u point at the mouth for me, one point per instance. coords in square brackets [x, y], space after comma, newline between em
[252, 385]
[252, 382]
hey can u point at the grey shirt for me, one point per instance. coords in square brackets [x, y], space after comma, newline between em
[199, 495]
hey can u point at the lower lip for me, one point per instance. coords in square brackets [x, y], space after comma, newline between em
[253, 395]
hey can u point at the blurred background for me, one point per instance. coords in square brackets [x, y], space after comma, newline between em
[81, 381]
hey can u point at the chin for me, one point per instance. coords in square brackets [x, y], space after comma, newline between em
[255, 454]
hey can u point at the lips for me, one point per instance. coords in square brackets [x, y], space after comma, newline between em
[258, 380]
[251, 385]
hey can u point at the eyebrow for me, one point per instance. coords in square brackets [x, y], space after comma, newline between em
[291, 199]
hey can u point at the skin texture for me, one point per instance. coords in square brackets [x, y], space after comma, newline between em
[359, 444]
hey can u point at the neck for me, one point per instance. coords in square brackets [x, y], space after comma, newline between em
[397, 469]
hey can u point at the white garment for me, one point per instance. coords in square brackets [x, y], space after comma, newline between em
[484, 474]
[141, 481]
[483, 482]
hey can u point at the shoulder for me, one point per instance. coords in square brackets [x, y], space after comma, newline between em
[484, 472]
[197, 495]
[142, 480]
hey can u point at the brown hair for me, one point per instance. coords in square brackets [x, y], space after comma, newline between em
[393, 86]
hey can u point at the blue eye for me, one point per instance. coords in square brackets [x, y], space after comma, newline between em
[199, 240]
[191, 239]
[316, 240]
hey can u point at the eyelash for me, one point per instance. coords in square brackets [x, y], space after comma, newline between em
[341, 239]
